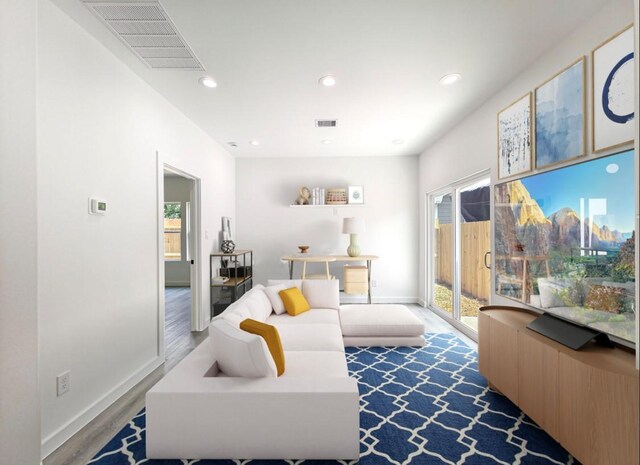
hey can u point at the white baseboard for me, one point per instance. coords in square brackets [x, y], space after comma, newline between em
[177, 284]
[59, 437]
[358, 299]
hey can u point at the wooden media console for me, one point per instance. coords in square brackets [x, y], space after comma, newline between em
[587, 400]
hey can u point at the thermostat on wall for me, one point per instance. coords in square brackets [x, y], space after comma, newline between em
[97, 206]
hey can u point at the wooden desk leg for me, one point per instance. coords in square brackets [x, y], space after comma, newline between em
[290, 269]
[369, 280]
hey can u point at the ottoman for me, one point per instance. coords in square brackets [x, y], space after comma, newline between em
[380, 325]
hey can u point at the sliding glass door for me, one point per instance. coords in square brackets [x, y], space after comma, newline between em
[459, 247]
[442, 252]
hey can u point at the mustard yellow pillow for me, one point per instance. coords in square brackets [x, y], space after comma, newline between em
[270, 335]
[294, 302]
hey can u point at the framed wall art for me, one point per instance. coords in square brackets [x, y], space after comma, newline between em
[514, 138]
[356, 194]
[560, 116]
[612, 92]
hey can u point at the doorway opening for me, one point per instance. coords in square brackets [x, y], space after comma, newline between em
[179, 255]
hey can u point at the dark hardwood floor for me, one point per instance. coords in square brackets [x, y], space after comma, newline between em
[179, 339]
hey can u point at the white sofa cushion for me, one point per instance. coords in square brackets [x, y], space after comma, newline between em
[274, 298]
[257, 303]
[315, 364]
[239, 353]
[311, 337]
[322, 293]
[288, 283]
[235, 313]
[315, 315]
[379, 320]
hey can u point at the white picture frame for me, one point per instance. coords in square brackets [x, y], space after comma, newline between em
[356, 195]
[514, 138]
[612, 92]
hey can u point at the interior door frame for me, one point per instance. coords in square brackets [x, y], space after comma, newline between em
[454, 189]
[197, 305]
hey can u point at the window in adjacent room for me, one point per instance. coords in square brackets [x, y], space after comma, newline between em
[172, 231]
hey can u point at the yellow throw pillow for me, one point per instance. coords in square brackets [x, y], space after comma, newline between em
[294, 302]
[270, 335]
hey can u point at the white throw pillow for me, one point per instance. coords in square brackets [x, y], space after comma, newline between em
[258, 304]
[274, 297]
[288, 283]
[322, 293]
[239, 353]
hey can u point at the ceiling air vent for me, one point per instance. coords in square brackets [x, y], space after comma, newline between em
[146, 29]
[326, 123]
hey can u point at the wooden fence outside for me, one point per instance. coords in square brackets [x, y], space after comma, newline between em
[475, 241]
[172, 237]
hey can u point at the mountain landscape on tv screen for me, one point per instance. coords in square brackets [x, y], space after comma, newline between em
[538, 235]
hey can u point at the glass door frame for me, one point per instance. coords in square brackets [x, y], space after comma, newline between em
[454, 189]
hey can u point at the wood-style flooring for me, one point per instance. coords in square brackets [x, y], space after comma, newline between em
[179, 341]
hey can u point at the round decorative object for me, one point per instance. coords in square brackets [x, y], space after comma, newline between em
[303, 248]
[227, 246]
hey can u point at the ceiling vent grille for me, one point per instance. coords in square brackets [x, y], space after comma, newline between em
[326, 123]
[146, 29]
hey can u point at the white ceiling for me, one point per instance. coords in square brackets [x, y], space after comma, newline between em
[387, 56]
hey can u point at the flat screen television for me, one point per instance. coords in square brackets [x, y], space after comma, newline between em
[565, 243]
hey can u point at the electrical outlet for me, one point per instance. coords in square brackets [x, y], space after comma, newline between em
[374, 283]
[64, 382]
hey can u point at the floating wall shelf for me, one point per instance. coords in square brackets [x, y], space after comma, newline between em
[329, 206]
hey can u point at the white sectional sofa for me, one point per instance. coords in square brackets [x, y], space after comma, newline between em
[310, 412]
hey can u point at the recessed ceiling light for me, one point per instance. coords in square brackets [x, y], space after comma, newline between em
[449, 79]
[232, 144]
[326, 141]
[328, 81]
[208, 82]
[255, 143]
[398, 141]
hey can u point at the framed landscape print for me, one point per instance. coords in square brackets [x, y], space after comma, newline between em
[612, 92]
[560, 116]
[514, 138]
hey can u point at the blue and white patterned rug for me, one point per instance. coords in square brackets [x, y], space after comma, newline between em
[420, 406]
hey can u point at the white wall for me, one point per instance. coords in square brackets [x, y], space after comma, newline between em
[471, 146]
[177, 272]
[266, 224]
[19, 400]
[99, 129]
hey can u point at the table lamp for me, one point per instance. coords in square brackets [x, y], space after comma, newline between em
[353, 227]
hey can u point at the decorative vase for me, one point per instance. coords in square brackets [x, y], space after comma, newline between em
[354, 248]
[227, 246]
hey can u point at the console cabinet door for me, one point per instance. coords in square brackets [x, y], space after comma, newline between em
[538, 382]
[575, 412]
[503, 359]
[484, 322]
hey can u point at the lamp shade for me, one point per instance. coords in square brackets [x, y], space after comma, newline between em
[352, 226]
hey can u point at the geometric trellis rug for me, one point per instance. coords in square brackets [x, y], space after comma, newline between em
[418, 406]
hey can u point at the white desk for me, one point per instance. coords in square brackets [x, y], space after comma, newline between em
[326, 259]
